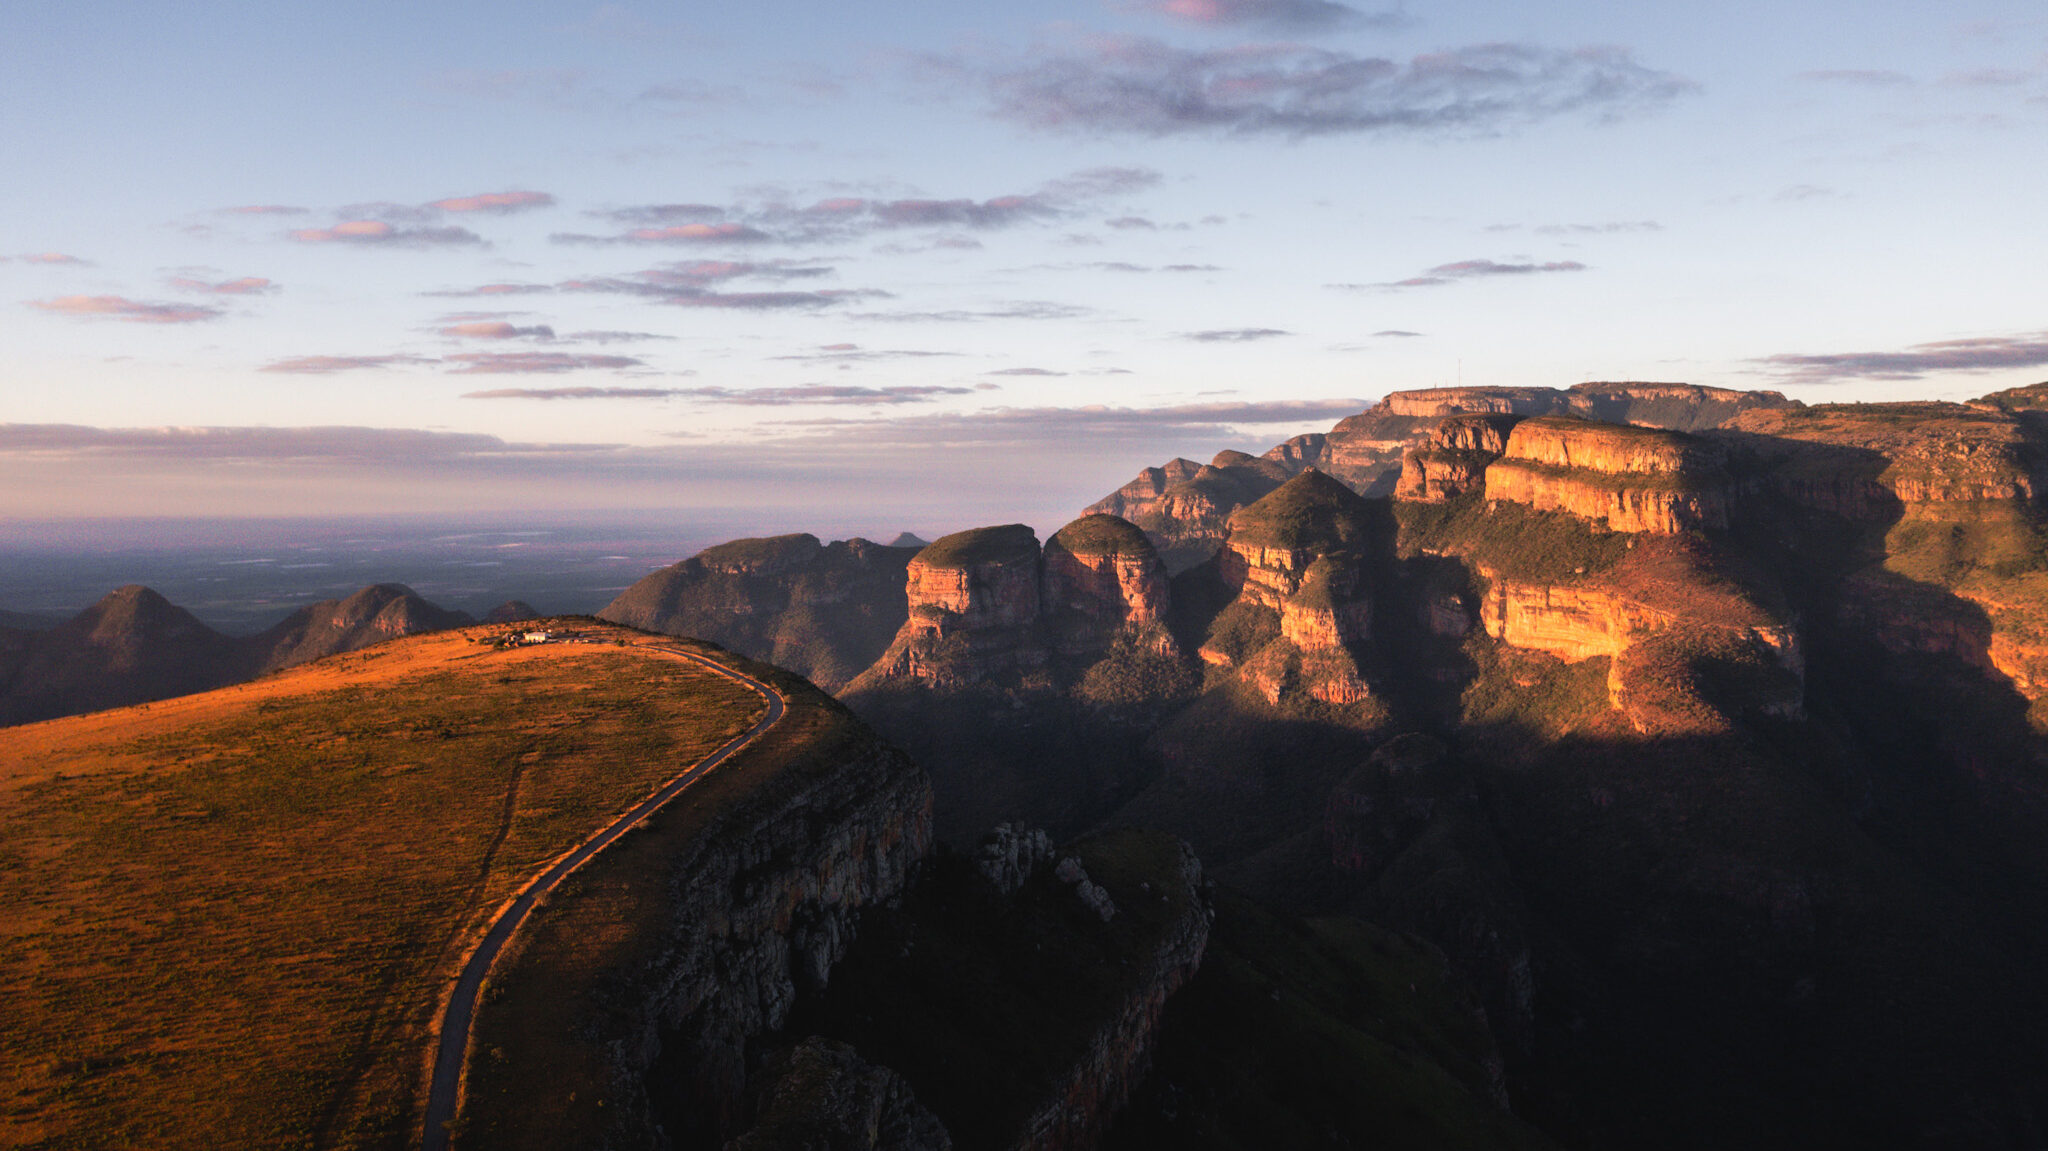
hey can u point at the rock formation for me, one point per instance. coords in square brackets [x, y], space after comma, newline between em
[973, 611]
[1631, 479]
[1185, 507]
[825, 611]
[1101, 578]
[825, 1096]
[372, 615]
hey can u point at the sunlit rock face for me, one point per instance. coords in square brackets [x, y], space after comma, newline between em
[1102, 576]
[1634, 479]
[1298, 554]
[1453, 459]
[973, 610]
[1185, 508]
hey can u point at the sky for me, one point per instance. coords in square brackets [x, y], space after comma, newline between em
[922, 266]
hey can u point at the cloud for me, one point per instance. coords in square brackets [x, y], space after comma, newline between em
[1019, 310]
[1147, 87]
[1131, 223]
[839, 218]
[229, 443]
[1466, 270]
[497, 203]
[382, 233]
[680, 290]
[604, 337]
[1860, 77]
[497, 330]
[1291, 15]
[54, 258]
[1799, 192]
[492, 290]
[807, 394]
[1618, 227]
[1234, 335]
[263, 210]
[1981, 354]
[536, 363]
[854, 353]
[133, 311]
[327, 365]
[1022, 372]
[245, 286]
[1396, 334]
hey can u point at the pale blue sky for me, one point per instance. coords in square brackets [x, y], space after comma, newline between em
[922, 259]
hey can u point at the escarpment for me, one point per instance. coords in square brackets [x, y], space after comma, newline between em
[1297, 556]
[640, 991]
[1633, 479]
[1185, 508]
[825, 611]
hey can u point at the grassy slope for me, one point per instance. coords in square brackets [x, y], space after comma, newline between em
[231, 912]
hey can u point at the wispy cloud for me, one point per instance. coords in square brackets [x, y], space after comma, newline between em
[682, 291]
[1396, 334]
[1022, 372]
[808, 394]
[1234, 335]
[496, 203]
[221, 443]
[1981, 354]
[123, 308]
[1859, 77]
[384, 234]
[535, 363]
[1468, 270]
[58, 259]
[840, 218]
[1288, 15]
[328, 365]
[610, 337]
[854, 353]
[244, 286]
[1148, 87]
[497, 330]
[1017, 310]
[483, 290]
[1609, 228]
[263, 210]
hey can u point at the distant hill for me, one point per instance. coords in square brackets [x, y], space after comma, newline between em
[134, 646]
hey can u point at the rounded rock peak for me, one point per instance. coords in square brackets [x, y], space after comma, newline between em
[1005, 544]
[1103, 535]
[1311, 510]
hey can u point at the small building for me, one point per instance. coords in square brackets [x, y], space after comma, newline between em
[537, 637]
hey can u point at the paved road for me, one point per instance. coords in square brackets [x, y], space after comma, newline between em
[445, 1096]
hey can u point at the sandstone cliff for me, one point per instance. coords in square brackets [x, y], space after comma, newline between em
[825, 611]
[1633, 479]
[1296, 556]
[973, 611]
[1101, 578]
[699, 936]
[1185, 508]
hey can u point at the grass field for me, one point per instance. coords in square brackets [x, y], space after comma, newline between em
[231, 917]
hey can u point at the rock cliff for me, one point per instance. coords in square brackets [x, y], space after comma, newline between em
[1185, 508]
[825, 611]
[1102, 577]
[1297, 557]
[1634, 479]
[699, 936]
[973, 611]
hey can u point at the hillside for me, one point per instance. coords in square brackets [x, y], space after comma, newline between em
[233, 912]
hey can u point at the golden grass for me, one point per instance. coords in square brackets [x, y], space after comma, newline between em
[231, 916]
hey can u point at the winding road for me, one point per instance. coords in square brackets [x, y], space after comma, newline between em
[444, 1098]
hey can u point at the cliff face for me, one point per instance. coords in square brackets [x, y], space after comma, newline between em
[1453, 459]
[1298, 555]
[1101, 577]
[1634, 479]
[1185, 508]
[973, 611]
[825, 611]
[708, 931]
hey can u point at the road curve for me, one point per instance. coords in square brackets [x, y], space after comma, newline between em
[444, 1097]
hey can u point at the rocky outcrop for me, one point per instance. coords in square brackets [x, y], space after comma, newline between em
[825, 611]
[741, 909]
[1082, 1103]
[825, 1097]
[973, 611]
[1677, 407]
[1863, 460]
[1185, 508]
[1101, 577]
[1453, 460]
[374, 614]
[1298, 553]
[1633, 479]
[511, 611]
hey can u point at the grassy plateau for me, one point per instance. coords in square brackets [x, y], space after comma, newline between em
[231, 917]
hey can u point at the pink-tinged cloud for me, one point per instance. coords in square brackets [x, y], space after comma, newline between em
[245, 286]
[496, 202]
[497, 330]
[57, 258]
[123, 308]
[327, 365]
[493, 290]
[379, 233]
[697, 233]
[536, 363]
